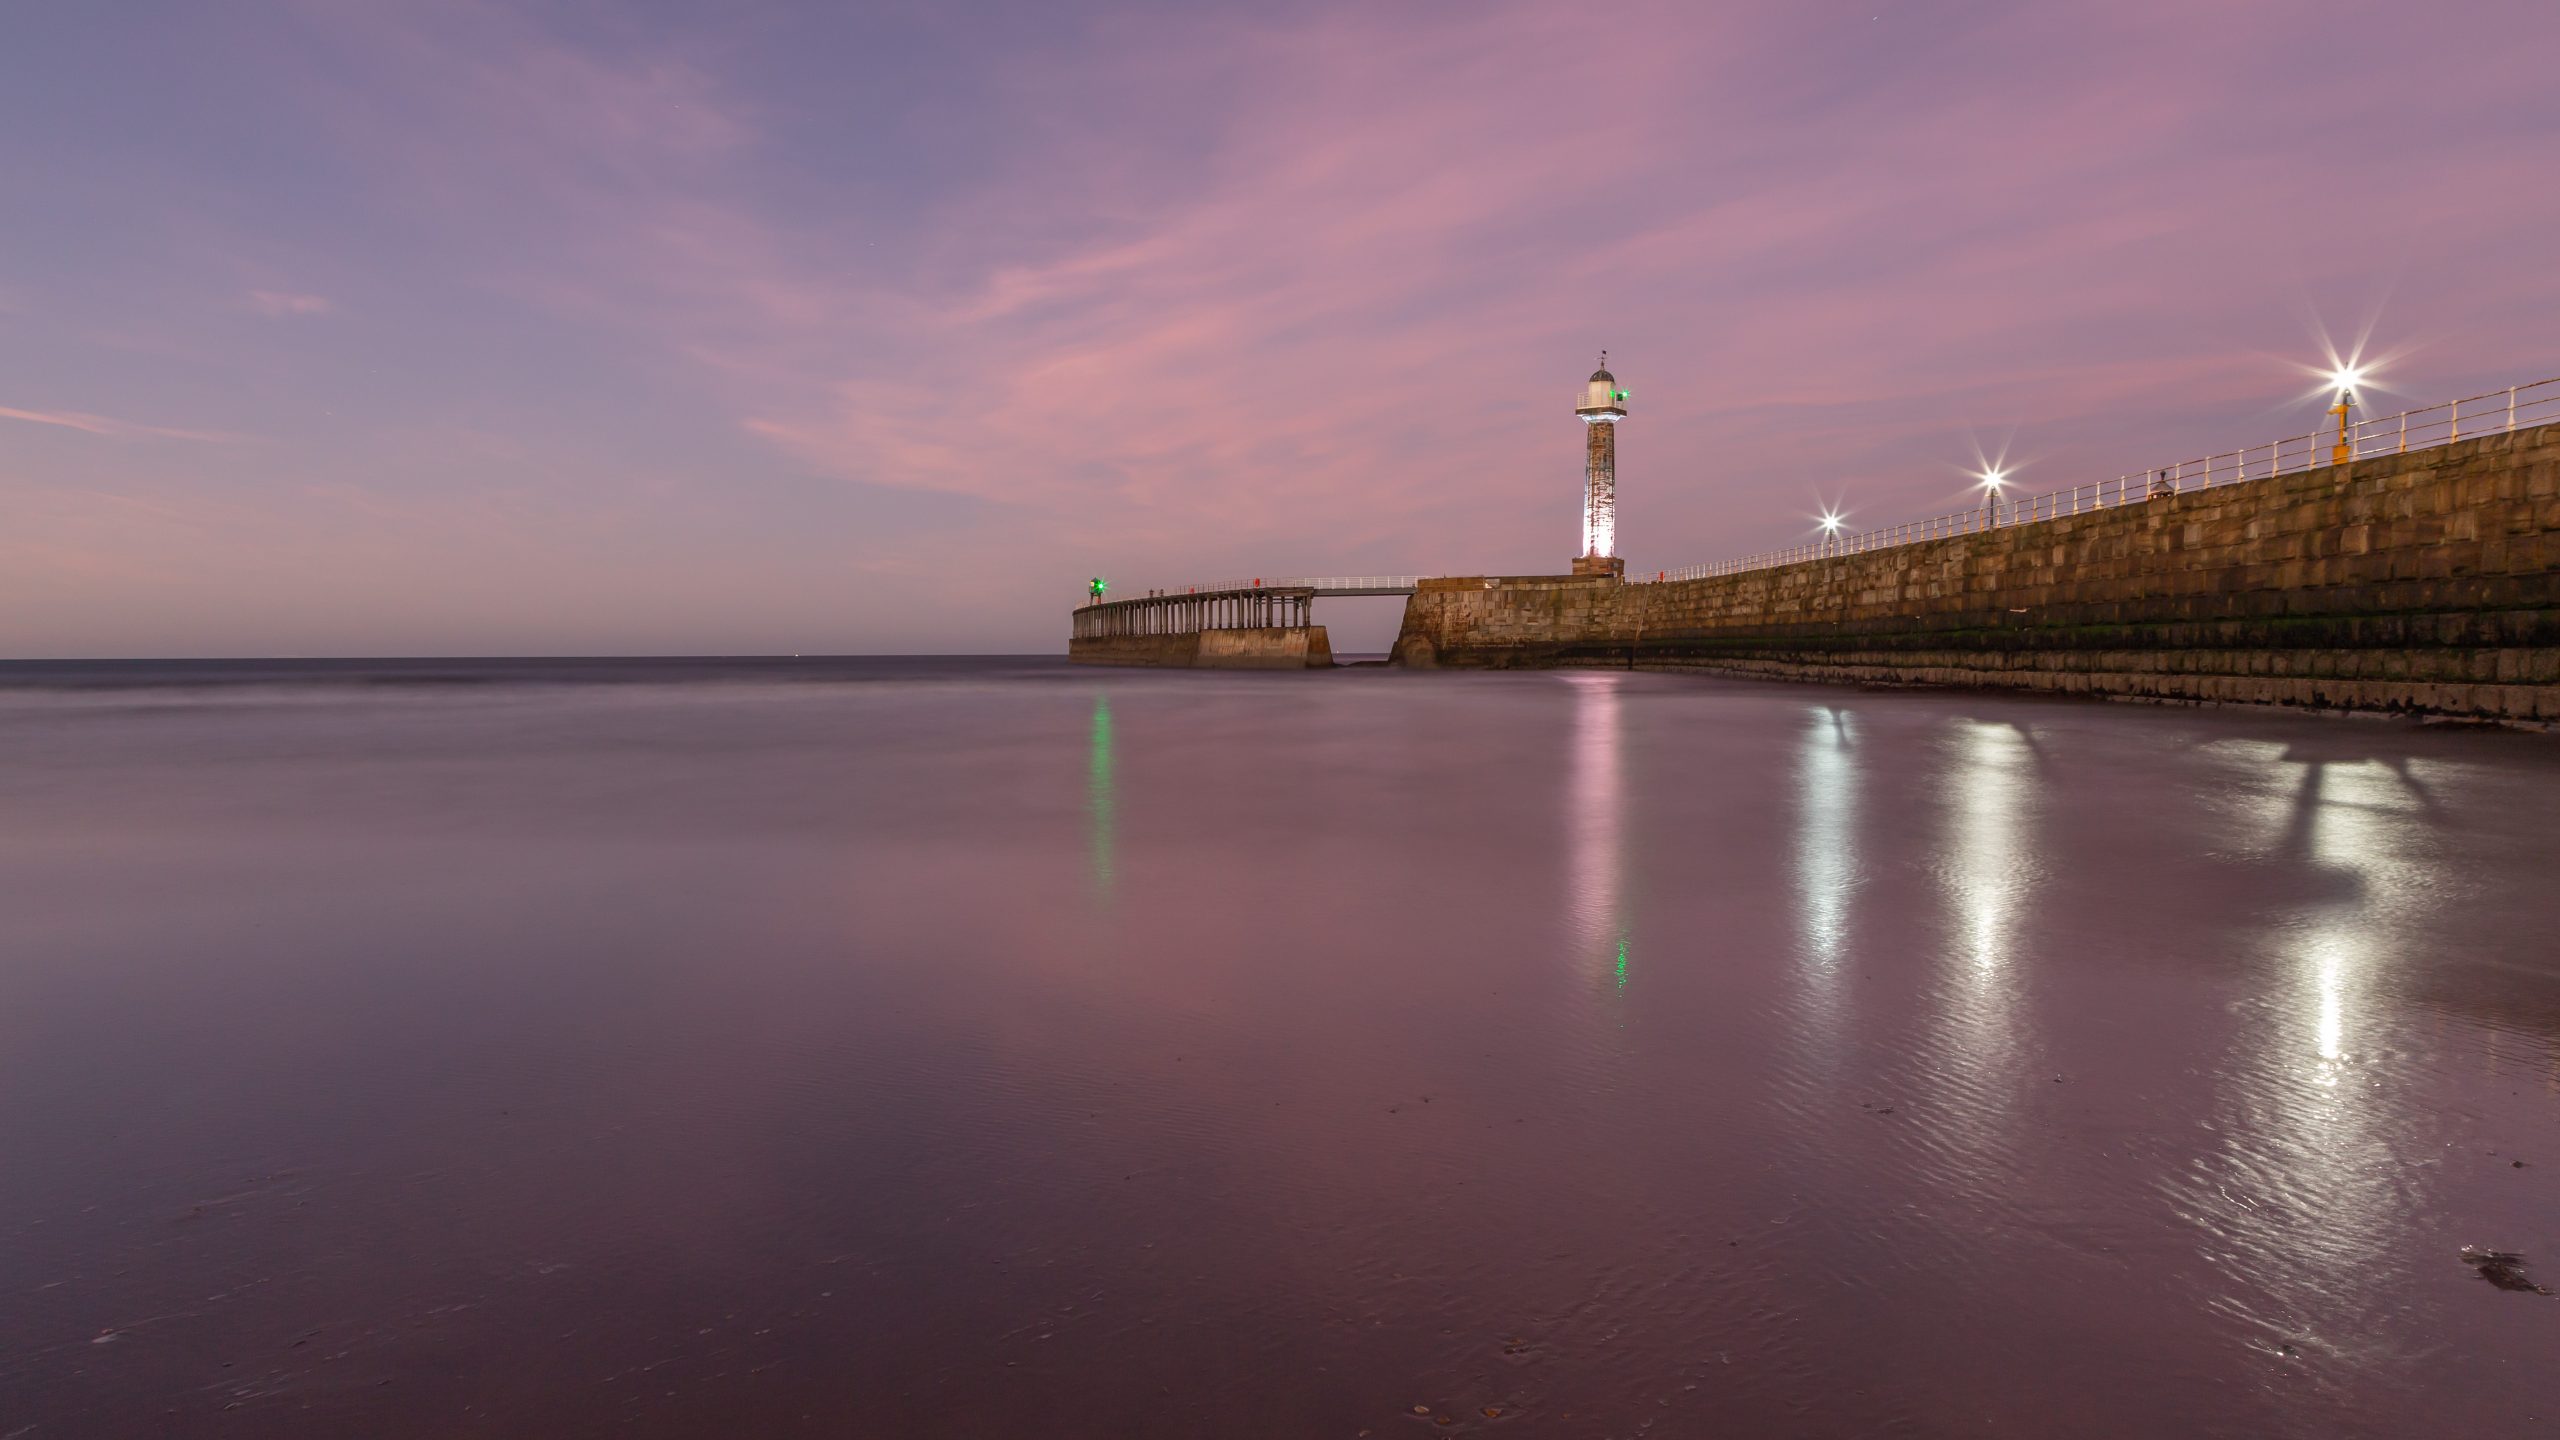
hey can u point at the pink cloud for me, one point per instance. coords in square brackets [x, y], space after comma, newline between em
[286, 302]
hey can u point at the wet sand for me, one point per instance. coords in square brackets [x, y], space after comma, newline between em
[977, 1048]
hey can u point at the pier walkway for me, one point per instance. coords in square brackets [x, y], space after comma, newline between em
[1232, 605]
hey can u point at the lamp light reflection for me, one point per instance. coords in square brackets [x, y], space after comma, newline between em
[2330, 1037]
[2342, 819]
[2344, 833]
[1990, 801]
[1826, 841]
[1987, 871]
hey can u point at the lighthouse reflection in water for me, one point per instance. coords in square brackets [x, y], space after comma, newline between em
[1598, 820]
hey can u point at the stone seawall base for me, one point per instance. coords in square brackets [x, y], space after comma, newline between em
[2208, 680]
[1294, 647]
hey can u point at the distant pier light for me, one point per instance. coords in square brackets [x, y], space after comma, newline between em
[1601, 406]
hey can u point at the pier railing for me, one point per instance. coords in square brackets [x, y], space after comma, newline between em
[1188, 611]
[2515, 408]
[1321, 584]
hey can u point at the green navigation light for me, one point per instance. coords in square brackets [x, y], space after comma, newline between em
[1099, 585]
[1622, 394]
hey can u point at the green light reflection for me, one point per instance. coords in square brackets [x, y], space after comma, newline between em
[1098, 795]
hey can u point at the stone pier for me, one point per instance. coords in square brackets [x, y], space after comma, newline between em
[2424, 583]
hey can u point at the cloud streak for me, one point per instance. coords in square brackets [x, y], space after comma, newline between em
[285, 303]
[109, 428]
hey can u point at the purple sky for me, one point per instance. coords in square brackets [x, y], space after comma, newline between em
[766, 327]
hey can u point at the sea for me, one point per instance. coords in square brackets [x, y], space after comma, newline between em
[998, 1047]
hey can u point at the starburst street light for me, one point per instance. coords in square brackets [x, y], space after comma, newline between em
[2344, 379]
[1993, 478]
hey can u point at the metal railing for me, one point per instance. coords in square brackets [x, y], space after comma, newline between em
[1322, 585]
[1360, 584]
[1187, 612]
[2514, 408]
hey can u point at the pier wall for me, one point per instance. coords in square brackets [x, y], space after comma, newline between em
[1289, 647]
[2423, 583]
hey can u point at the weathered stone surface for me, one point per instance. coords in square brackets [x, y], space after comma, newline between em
[2426, 583]
[1297, 647]
[1294, 647]
[1173, 651]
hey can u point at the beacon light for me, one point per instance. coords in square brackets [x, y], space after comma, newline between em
[1831, 522]
[1099, 585]
[1993, 479]
[2345, 378]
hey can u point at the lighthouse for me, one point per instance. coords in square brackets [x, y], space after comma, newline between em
[1601, 407]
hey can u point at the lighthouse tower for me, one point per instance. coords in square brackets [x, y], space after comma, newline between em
[1601, 407]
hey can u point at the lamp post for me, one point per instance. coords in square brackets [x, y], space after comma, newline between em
[2344, 380]
[1992, 480]
[1830, 530]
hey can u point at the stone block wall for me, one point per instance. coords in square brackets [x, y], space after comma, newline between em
[1163, 651]
[1291, 647]
[2425, 583]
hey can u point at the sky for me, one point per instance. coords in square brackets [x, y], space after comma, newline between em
[476, 328]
